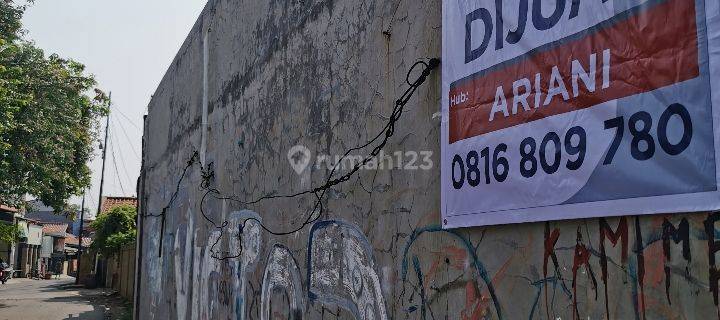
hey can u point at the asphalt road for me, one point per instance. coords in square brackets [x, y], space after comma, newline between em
[50, 300]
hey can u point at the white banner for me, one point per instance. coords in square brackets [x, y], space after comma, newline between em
[569, 109]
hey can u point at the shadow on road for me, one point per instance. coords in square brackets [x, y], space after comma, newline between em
[91, 315]
[106, 303]
[52, 300]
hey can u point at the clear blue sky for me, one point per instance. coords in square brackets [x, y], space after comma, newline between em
[127, 45]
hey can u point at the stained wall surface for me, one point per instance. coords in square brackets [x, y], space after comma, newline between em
[273, 74]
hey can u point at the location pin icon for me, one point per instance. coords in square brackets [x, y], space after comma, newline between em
[299, 157]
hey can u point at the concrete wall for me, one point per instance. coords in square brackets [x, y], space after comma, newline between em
[46, 249]
[35, 234]
[325, 74]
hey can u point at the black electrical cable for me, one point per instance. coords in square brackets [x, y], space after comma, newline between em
[130, 141]
[189, 164]
[113, 141]
[193, 159]
[319, 192]
[117, 172]
[388, 131]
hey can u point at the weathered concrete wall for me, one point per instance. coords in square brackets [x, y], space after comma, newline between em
[325, 74]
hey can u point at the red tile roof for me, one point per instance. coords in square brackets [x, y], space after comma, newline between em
[8, 209]
[73, 240]
[55, 229]
[111, 202]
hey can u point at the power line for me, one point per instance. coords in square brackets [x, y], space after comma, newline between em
[129, 120]
[117, 172]
[132, 148]
[122, 161]
[92, 202]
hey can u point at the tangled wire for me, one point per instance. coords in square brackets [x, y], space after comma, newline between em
[319, 192]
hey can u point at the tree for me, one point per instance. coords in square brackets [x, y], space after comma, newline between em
[114, 229]
[48, 120]
[9, 232]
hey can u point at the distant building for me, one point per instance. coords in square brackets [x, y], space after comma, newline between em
[54, 254]
[60, 244]
[50, 217]
[28, 245]
[108, 203]
[73, 241]
[45, 214]
[7, 216]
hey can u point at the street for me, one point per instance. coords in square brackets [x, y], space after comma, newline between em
[53, 299]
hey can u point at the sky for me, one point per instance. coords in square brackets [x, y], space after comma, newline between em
[127, 45]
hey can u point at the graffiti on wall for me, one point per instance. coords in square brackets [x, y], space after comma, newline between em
[460, 254]
[282, 276]
[183, 253]
[341, 270]
[248, 243]
[652, 264]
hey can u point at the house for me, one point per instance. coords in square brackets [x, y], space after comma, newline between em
[45, 214]
[103, 266]
[70, 223]
[7, 217]
[72, 249]
[22, 254]
[53, 253]
[28, 245]
[111, 202]
[72, 241]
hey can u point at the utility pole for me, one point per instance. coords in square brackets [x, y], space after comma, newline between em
[102, 173]
[105, 147]
[80, 237]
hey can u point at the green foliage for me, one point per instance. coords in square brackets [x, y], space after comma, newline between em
[48, 122]
[10, 20]
[8, 233]
[117, 241]
[114, 229]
